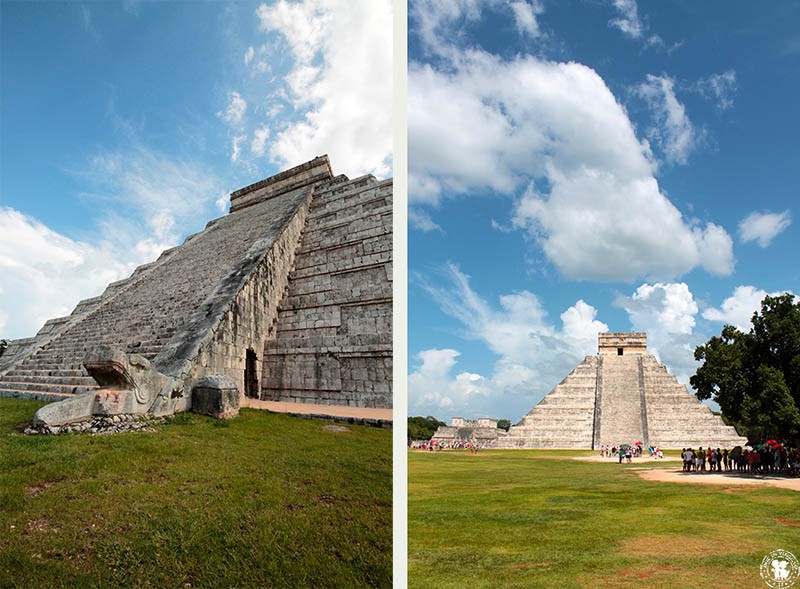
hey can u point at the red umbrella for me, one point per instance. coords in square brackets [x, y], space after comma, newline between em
[638, 443]
[772, 443]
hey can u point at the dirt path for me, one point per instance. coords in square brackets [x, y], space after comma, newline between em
[715, 478]
[311, 409]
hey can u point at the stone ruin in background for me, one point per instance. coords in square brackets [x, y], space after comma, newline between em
[286, 298]
[622, 395]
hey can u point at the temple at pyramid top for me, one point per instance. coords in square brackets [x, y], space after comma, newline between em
[622, 343]
[622, 395]
[289, 296]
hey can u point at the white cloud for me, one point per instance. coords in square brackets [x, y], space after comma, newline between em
[234, 112]
[628, 21]
[673, 131]
[436, 390]
[421, 220]
[236, 147]
[670, 307]
[142, 183]
[437, 21]
[763, 227]
[738, 309]
[248, 55]
[715, 249]
[340, 82]
[45, 274]
[259, 145]
[525, 16]
[720, 88]
[533, 354]
[593, 203]
[222, 202]
[666, 312]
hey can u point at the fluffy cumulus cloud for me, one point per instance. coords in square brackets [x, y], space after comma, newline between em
[533, 353]
[340, 82]
[673, 130]
[141, 197]
[763, 227]
[45, 273]
[738, 309]
[437, 389]
[667, 313]
[592, 201]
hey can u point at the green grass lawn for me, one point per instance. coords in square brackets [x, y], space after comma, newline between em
[263, 500]
[538, 519]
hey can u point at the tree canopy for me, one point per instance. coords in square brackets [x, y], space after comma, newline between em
[755, 376]
[423, 428]
[503, 424]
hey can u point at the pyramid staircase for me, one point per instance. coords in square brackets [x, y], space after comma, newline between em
[621, 404]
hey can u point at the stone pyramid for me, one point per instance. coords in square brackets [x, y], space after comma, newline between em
[621, 395]
[289, 295]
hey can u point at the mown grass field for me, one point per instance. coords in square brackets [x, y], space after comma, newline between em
[539, 519]
[263, 500]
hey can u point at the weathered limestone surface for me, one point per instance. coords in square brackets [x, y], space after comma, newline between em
[211, 306]
[621, 403]
[216, 396]
[622, 395]
[333, 341]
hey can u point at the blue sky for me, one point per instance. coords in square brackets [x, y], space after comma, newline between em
[125, 125]
[580, 166]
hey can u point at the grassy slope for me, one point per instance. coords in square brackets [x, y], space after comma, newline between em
[524, 519]
[262, 500]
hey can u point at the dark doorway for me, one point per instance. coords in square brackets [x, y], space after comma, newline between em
[250, 375]
[619, 351]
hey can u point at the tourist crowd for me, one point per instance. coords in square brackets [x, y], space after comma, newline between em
[629, 451]
[769, 458]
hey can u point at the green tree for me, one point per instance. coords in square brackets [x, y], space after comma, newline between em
[755, 376]
[423, 428]
[503, 424]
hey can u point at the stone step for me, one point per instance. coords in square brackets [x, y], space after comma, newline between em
[64, 380]
[48, 387]
[23, 372]
[35, 396]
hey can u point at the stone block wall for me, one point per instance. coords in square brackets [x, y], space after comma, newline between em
[333, 341]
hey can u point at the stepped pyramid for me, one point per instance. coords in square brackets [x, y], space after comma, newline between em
[289, 295]
[621, 395]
